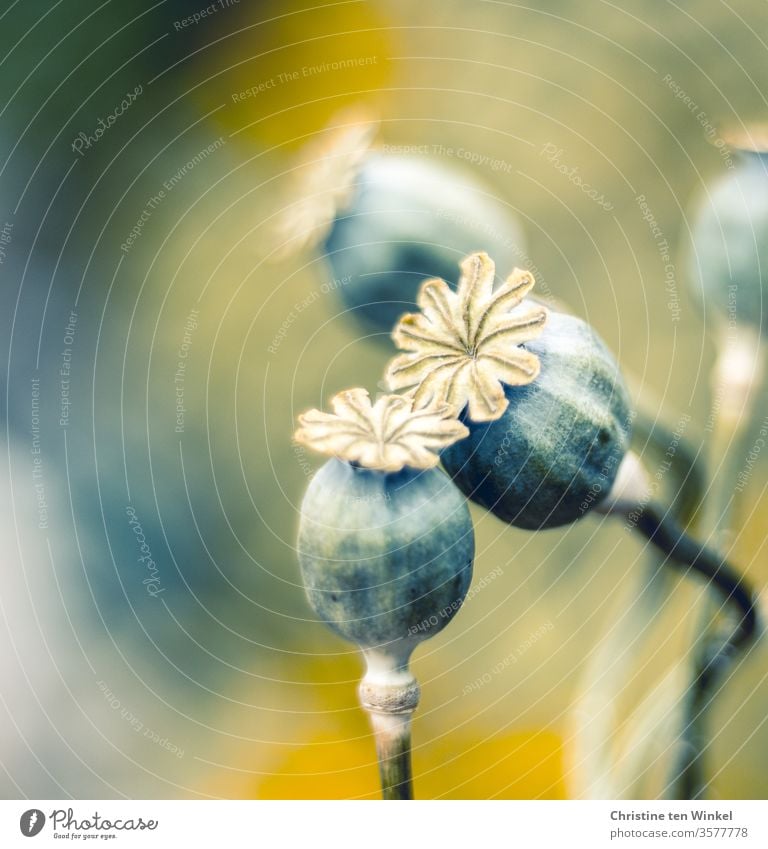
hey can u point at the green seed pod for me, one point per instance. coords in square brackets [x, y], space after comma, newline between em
[386, 558]
[545, 404]
[728, 258]
[386, 547]
[555, 451]
[385, 539]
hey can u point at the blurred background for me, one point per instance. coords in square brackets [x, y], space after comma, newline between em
[155, 640]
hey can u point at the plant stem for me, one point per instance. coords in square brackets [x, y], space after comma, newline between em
[683, 551]
[736, 377]
[688, 478]
[389, 694]
[393, 747]
[712, 657]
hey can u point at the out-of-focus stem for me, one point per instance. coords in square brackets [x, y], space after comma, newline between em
[686, 472]
[631, 497]
[389, 694]
[683, 551]
[736, 378]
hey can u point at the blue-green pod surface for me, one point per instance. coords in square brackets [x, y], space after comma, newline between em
[410, 219]
[728, 257]
[385, 557]
[555, 451]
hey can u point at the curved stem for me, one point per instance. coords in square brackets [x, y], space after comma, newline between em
[393, 747]
[734, 384]
[683, 551]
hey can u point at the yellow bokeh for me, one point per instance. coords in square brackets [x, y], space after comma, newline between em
[523, 765]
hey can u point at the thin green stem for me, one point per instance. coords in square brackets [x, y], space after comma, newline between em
[713, 657]
[736, 376]
[389, 694]
[685, 552]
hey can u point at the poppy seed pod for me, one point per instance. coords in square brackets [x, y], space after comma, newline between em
[386, 547]
[728, 258]
[555, 451]
[386, 558]
[546, 408]
[387, 220]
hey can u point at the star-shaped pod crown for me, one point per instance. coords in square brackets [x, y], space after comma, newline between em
[387, 435]
[464, 345]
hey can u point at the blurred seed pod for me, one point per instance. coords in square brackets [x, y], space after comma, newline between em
[728, 257]
[411, 219]
[387, 221]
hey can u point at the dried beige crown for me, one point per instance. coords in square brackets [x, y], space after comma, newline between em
[464, 346]
[323, 181]
[387, 435]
